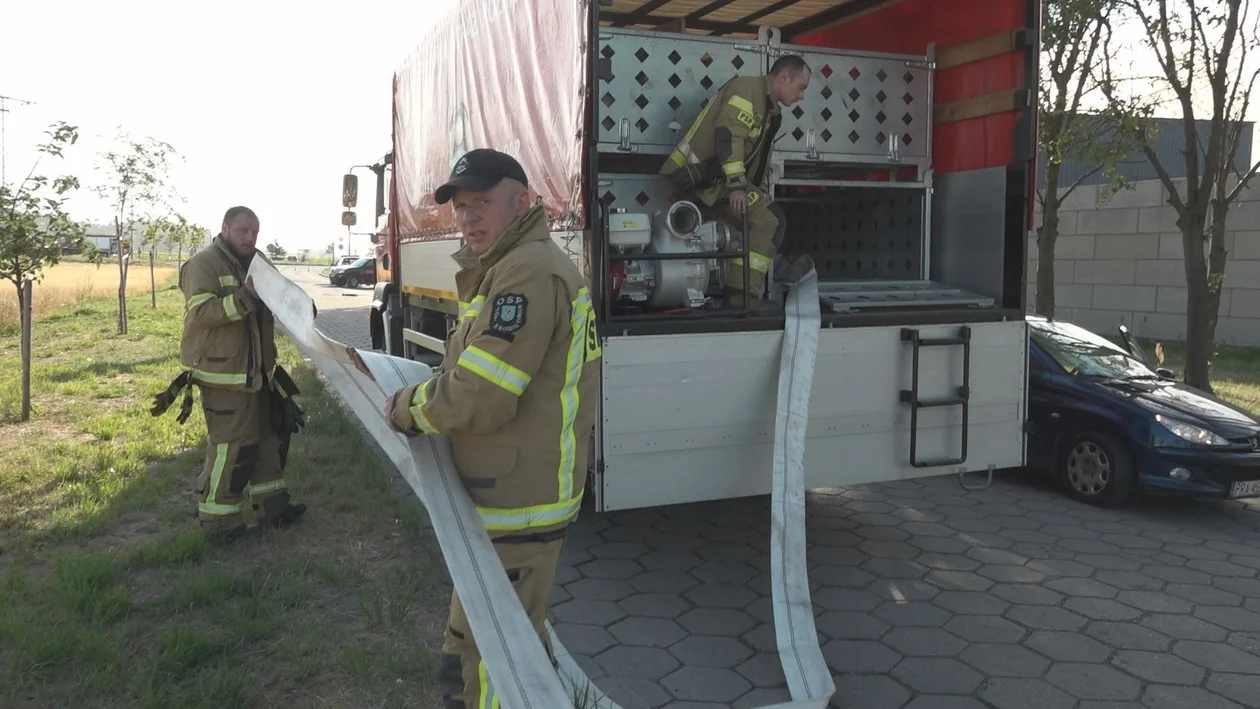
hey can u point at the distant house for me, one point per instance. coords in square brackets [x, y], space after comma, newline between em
[103, 237]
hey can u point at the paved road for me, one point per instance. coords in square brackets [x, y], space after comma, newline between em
[342, 311]
[926, 596]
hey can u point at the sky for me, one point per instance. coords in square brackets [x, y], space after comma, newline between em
[268, 102]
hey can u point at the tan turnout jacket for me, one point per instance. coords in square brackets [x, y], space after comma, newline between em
[229, 335]
[744, 106]
[517, 386]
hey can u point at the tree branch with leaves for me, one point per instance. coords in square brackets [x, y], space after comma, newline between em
[1201, 48]
[1073, 33]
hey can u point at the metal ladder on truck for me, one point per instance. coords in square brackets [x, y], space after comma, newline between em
[961, 398]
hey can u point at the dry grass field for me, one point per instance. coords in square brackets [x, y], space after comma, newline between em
[68, 284]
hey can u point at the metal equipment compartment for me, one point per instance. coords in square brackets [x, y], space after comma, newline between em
[852, 170]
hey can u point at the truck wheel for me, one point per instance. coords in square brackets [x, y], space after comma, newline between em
[352, 282]
[1096, 468]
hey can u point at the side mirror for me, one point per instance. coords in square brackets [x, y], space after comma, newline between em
[1134, 348]
[348, 218]
[1125, 338]
[1166, 374]
[349, 191]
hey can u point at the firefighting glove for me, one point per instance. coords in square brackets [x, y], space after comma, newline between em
[691, 177]
[163, 400]
[288, 417]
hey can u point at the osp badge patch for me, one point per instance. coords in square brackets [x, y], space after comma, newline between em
[508, 315]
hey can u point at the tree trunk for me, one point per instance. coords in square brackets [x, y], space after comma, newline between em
[179, 256]
[1047, 236]
[152, 280]
[122, 290]
[1203, 302]
[25, 311]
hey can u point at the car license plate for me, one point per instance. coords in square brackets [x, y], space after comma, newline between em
[1246, 488]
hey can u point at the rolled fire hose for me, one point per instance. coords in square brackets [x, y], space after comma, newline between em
[517, 666]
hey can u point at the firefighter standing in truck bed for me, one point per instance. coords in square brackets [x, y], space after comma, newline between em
[515, 394]
[228, 350]
[724, 156]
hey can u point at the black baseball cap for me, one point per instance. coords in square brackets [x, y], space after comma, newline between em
[479, 170]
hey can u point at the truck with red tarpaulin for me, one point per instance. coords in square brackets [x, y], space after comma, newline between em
[906, 174]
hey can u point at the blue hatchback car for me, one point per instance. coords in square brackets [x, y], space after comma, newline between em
[1105, 424]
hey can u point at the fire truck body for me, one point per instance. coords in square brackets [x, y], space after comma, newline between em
[905, 175]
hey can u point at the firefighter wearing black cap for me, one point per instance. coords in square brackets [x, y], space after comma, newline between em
[723, 159]
[228, 350]
[515, 394]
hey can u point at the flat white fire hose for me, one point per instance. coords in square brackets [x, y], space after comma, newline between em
[516, 662]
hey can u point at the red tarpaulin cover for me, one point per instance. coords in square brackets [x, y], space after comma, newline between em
[502, 74]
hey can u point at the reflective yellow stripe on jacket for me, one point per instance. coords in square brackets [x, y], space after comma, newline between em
[418, 401]
[682, 154]
[569, 501]
[494, 370]
[201, 375]
[472, 309]
[198, 299]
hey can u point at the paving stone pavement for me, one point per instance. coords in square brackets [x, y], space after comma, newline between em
[926, 596]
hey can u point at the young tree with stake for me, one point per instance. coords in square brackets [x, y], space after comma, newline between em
[33, 227]
[135, 180]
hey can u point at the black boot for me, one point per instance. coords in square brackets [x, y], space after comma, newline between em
[759, 307]
[280, 512]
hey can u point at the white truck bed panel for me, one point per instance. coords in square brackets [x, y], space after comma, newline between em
[428, 264]
[688, 418]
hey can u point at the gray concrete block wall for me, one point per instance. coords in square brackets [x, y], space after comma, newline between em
[1120, 261]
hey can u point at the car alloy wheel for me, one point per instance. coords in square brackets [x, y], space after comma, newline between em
[352, 282]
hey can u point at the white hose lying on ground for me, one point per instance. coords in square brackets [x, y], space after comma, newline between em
[515, 659]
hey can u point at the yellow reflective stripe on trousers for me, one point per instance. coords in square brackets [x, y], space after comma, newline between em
[198, 299]
[488, 699]
[734, 167]
[494, 370]
[209, 506]
[742, 104]
[229, 308]
[264, 488]
[418, 401]
[213, 378]
[759, 262]
[472, 309]
[229, 281]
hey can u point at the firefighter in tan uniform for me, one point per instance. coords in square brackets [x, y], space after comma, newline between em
[515, 394]
[723, 160]
[228, 350]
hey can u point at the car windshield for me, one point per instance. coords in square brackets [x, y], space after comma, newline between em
[360, 263]
[1083, 353]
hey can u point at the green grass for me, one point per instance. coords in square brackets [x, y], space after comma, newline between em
[110, 597]
[1235, 370]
